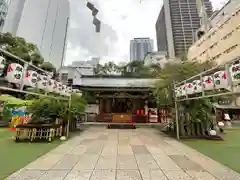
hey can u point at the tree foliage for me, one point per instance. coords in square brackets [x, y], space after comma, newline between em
[49, 109]
[199, 110]
[195, 116]
[108, 68]
[19, 47]
[176, 71]
[46, 108]
[132, 69]
[47, 66]
[78, 105]
[37, 59]
[90, 97]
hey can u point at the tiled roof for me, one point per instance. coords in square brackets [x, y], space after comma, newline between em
[118, 82]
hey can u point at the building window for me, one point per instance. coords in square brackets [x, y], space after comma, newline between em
[216, 57]
[225, 22]
[227, 36]
[238, 11]
[200, 43]
[221, 26]
[213, 33]
[230, 49]
[203, 53]
[238, 27]
[213, 45]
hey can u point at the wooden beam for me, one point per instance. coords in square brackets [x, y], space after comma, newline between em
[116, 89]
[122, 96]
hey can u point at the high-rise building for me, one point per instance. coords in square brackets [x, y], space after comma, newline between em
[176, 25]
[3, 12]
[43, 23]
[220, 44]
[139, 47]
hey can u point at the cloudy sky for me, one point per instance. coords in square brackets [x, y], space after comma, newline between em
[122, 20]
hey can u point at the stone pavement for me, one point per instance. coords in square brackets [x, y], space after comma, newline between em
[131, 154]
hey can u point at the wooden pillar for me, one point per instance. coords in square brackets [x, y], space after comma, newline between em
[108, 105]
[100, 106]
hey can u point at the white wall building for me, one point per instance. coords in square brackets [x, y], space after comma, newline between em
[78, 69]
[42, 22]
[154, 58]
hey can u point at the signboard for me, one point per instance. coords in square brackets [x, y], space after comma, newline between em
[92, 108]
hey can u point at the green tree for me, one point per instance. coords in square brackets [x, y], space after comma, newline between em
[47, 66]
[176, 71]
[195, 115]
[19, 47]
[132, 69]
[48, 109]
[89, 97]
[106, 69]
[36, 59]
[78, 105]
[138, 69]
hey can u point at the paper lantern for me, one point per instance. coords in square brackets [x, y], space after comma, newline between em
[137, 112]
[221, 124]
[212, 133]
[63, 138]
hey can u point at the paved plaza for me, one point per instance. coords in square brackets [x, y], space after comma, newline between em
[117, 154]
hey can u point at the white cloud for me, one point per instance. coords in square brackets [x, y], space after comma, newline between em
[122, 20]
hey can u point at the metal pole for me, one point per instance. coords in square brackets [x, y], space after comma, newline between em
[185, 85]
[229, 77]
[18, 58]
[68, 121]
[27, 92]
[176, 112]
[177, 120]
[202, 88]
[25, 67]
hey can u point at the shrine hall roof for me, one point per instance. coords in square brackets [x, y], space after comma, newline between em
[109, 82]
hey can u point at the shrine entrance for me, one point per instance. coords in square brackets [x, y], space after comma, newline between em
[120, 97]
[121, 105]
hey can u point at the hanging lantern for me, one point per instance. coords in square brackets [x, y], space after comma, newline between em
[137, 112]
[225, 75]
[209, 81]
[238, 101]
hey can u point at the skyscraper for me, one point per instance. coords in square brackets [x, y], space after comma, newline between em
[176, 25]
[43, 23]
[139, 47]
[3, 12]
